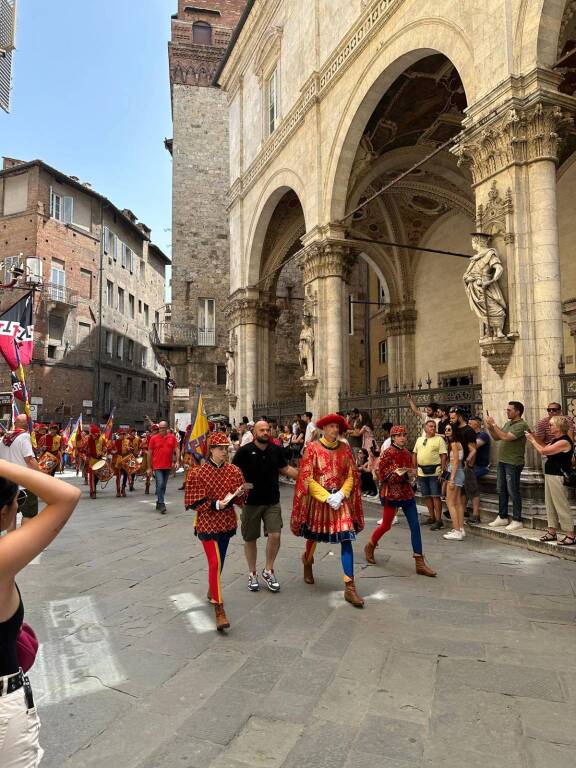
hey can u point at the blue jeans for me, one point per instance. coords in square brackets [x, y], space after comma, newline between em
[161, 476]
[508, 485]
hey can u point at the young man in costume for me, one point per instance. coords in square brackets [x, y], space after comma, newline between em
[208, 491]
[95, 450]
[327, 502]
[120, 449]
[135, 445]
[51, 443]
[395, 474]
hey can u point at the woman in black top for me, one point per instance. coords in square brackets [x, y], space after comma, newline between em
[19, 744]
[558, 464]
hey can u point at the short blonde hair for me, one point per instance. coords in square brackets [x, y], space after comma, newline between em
[562, 423]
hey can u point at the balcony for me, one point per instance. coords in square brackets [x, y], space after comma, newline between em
[173, 335]
[59, 298]
[206, 338]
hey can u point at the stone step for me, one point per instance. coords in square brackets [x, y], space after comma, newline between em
[527, 538]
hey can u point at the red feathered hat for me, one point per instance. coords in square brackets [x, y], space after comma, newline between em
[121, 430]
[154, 427]
[94, 429]
[397, 429]
[333, 418]
[218, 438]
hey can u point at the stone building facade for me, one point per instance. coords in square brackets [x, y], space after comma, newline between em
[100, 287]
[197, 340]
[331, 101]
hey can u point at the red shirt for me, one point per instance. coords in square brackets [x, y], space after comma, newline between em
[162, 448]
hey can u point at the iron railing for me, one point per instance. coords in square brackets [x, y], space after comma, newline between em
[60, 294]
[281, 412]
[176, 334]
[206, 337]
[394, 406]
[568, 389]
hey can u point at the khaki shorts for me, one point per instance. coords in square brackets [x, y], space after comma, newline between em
[254, 515]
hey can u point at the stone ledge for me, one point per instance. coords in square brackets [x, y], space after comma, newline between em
[526, 538]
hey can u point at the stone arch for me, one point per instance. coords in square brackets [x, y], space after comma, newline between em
[414, 42]
[537, 33]
[280, 184]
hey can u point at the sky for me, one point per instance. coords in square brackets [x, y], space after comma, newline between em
[91, 97]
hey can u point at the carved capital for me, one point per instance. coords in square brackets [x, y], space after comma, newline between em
[309, 384]
[518, 136]
[495, 215]
[246, 311]
[326, 259]
[497, 352]
[400, 321]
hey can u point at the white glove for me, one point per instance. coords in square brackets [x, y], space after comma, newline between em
[335, 500]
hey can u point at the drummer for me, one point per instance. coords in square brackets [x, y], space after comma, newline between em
[120, 450]
[144, 450]
[135, 443]
[95, 450]
[51, 444]
[39, 434]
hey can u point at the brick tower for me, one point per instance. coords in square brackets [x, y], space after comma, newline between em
[201, 31]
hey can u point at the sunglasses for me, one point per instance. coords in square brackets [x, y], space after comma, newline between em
[553, 410]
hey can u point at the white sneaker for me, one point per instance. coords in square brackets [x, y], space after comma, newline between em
[454, 535]
[515, 525]
[463, 532]
[498, 522]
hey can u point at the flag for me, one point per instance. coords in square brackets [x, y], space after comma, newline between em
[76, 429]
[17, 386]
[15, 412]
[17, 332]
[66, 432]
[109, 426]
[197, 439]
[20, 376]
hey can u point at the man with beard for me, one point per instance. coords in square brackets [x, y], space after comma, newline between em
[261, 462]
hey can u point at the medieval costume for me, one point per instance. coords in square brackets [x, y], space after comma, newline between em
[51, 444]
[135, 446]
[120, 449]
[144, 466]
[327, 502]
[394, 474]
[95, 450]
[209, 492]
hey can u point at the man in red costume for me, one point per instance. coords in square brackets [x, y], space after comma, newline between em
[120, 449]
[51, 443]
[95, 450]
[135, 445]
[209, 492]
[396, 472]
[327, 502]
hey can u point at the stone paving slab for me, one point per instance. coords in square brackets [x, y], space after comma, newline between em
[132, 673]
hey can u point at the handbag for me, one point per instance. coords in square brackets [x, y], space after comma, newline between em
[428, 469]
[569, 478]
[26, 647]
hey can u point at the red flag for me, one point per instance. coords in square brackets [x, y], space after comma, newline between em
[17, 327]
[17, 386]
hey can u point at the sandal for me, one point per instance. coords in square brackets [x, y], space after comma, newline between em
[568, 541]
[548, 537]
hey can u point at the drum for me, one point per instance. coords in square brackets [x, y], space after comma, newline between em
[48, 462]
[130, 464]
[103, 471]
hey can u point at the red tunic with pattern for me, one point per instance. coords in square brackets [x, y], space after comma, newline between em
[205, 486]
[330, 466]
[394, 487]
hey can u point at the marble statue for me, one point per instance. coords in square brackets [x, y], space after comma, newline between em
[306, 347]
[482, 288]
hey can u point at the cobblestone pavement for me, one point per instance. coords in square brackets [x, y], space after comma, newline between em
[474, 668]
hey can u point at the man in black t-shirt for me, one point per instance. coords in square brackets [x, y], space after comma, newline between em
[467, 437]
[261, 462]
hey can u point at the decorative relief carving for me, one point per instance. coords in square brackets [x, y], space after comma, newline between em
[269, 54]
[517, 137]
[495, 216]
[326, 259]
[400, 321]
[498, 352]
[245, 311]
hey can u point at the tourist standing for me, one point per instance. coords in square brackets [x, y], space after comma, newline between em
[261, 462]
[557, 466]
[19, 723]
[163, 460]
[481, 463]
[396, 473]
[311, 432]
[511, 439]
[430, 455]
[543, 431]
[429, 412]
[327, 503]
[466, 436]
[16, 447]
[455, 484]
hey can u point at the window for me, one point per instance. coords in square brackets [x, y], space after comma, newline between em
[131, 257]
[383, 386]
[106, 240]
[130, 350]
[351, 315]
[155, 393]
[120, 347]
[113, 247]
[221, 375]
[61, 207]
[142, 268]
[139, 307]
[383, 352]
[58, 280]
[110, 293]
[131, 305]
[206, 322]
[34, 267]
[157, 319]
[143, 391]
[56, 327]
[124, 251]
[109, 343]
[51, 351]
[121, 300]
[9, 263]
[107, 396]
[144, 358]
[129, 388]
[271, 101]
[146, 315]
[86, 278]
[382, 296]
[201, 33]
[84, 334]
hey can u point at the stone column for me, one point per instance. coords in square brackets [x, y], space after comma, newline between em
[326, 266]
[400, 325]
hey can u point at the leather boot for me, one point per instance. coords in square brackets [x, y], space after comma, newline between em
[369, 553]
[222, 622]
[308, 572]
[422, 568]
[351, 596]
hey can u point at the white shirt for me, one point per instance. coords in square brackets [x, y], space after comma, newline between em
[20, 449]
[295, 428]
[386, 444]
[310, 429]
[247, 437]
